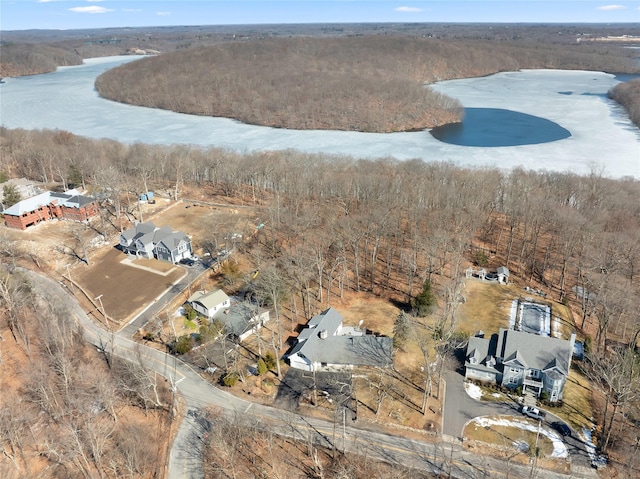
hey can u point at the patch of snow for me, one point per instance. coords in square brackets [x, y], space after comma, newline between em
[588, 443]
[559, 448]
[496, 395]
[179, 312]
[472, 390]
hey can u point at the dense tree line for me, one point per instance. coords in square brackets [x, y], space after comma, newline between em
[21, 59]
[368, 83]
[88, 43]
[628, 95]
[335, 224]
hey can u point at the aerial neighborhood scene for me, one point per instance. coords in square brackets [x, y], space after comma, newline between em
[312, 239]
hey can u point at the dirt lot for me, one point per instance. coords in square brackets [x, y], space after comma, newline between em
[60, 246]
[126, 287]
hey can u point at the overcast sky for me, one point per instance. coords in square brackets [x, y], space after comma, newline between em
[72, 14]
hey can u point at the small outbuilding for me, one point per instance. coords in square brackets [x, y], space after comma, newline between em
[503, 274]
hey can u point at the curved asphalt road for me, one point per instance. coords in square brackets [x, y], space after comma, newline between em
[185, 459]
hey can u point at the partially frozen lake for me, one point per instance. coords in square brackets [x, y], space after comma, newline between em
[600, 133]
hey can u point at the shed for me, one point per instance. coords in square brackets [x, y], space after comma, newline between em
[503, 274]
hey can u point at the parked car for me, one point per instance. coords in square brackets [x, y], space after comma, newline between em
[562, 428]
[533, 412]
[187, 261]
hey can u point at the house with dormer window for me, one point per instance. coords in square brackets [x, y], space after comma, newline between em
[513, 359]
[146, 240]
[326, 344]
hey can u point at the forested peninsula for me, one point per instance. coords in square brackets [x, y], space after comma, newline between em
[32, 59]
[369, 83]
[628, 95]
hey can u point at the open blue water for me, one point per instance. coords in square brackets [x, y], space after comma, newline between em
[491, 127]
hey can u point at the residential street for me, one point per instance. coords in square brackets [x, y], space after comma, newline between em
[196, 393]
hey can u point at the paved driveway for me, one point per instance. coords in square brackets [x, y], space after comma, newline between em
[459, 408]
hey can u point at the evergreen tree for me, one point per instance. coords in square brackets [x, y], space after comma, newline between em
[75, 177]
[423, 304]
[401, 330]
[262, 367]
[11, 195]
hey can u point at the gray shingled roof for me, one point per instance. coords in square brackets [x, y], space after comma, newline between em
[138, 231]
[538, 352]
[367, 350]
[503, 270]
[482, 350]
[237, 319]
[172, 240]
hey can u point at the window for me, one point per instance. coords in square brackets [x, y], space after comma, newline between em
[514, 370]
[513, 380]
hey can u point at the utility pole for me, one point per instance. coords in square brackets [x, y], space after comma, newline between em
[344, 429]
[99, 299]
[534, 462]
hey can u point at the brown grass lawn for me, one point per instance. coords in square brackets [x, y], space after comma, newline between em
[199, 221]
[487, 306]
[498, 441]
[377, 314]
[577, 401]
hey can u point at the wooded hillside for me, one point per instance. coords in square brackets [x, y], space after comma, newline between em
[368, 83]
[628, 95]
[64, 410]
[336, 224]
[24, 59]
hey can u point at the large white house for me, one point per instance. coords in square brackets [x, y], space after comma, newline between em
[326, 344]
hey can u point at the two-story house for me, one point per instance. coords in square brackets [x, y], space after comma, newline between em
[517, 358]
[49, 205]
[146, 240]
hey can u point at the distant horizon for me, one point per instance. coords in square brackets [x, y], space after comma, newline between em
[66, 15]
[207, 25]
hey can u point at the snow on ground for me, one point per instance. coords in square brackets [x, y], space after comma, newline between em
[576, 100]
[585, 435]
[472, 390]
[559, 448]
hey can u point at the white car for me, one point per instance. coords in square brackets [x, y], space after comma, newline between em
[533, 412]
